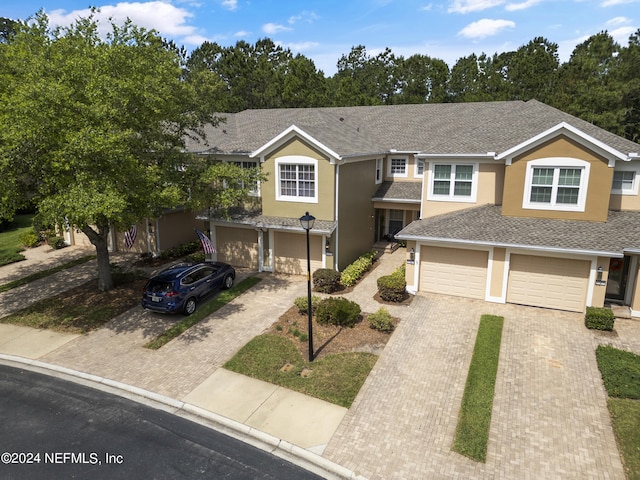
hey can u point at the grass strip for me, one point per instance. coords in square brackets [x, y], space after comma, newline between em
[203, 311]
[620, 372]
[44, 273]
[334, 378]
[472, 431]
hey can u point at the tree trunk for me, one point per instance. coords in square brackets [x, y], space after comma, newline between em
[99, 240]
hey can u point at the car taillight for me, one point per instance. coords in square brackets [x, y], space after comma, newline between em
[172, 294]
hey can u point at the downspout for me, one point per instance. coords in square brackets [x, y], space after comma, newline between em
[336, 253]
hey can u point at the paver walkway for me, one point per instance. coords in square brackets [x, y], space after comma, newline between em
[550, 418]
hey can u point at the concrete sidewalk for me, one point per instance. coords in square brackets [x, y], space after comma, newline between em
[188, 369]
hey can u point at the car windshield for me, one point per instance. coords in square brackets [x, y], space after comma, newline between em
[158, 287]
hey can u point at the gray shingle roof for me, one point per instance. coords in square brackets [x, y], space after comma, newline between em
[257, 220]
[486, 225]
[399, 191]
[449, 128]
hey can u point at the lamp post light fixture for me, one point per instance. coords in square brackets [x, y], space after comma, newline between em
[307, 223]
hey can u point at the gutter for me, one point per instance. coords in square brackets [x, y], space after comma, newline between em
[456, 241]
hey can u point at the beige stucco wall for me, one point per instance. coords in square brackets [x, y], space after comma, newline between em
[490, 191]
[356, 213]
[237, 246]
[176, 228]
[323, 210]
[411, 168]
[624, 202]
[598, 189]
[410, 269]
[497, 272]
[600, 291]
[635, 299]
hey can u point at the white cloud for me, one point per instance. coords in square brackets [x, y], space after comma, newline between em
[274, 28]
[512, 7]
[161, 16]
[618, 21]
[300, 46]
[230, 4]
[242, 33]
[427, 8]
[466, 6]
[305, 16]
[613, 3]
[485, 28]
[621, 35]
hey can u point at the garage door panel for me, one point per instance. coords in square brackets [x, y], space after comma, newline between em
[548, 282]
[453, 271]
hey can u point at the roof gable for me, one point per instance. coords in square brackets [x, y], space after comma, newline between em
[289, 134]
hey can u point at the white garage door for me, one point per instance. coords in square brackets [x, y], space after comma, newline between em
[548, 282]
[453, 271]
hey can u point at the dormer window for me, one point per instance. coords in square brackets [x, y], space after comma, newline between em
[556, 184]
[398, 166]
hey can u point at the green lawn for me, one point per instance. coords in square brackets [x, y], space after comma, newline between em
[10, 246]
[474, 420]
[333, 378]
[620, 372]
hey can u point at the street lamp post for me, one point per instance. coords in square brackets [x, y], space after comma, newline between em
[307, 223]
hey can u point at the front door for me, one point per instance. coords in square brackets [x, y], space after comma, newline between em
[618, 276]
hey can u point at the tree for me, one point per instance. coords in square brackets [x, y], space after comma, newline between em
[92, 130]
[629, 77]
[7, 29]
[587, 83]
[532, 71]
[422, 80]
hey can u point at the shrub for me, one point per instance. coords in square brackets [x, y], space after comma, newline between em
[599, 318]
[392, 288]
[326, 280]
[357, 269]
[381, 320]
[303, 302]
[181, 250]
[338, 311]
[29, 239]
[56, 242]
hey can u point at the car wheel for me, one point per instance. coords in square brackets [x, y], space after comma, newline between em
[228, 282]
[189, 306]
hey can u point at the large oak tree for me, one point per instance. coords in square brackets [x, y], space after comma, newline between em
[92, 129]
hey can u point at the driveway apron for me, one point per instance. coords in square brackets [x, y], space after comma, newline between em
[550, 417]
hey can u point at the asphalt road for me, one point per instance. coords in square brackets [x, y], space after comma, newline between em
[51, 428]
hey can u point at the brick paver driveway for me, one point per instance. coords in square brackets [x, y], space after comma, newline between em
[550, 417]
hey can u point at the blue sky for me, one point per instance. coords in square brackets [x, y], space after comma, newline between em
[323, 30]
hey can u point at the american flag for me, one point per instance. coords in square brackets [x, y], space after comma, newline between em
[130, 236]
[207, 246]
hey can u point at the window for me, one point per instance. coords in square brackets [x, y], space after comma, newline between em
[398, 167]
[556, 184]
[378, 170]
[623, 182]
[254, 189]
[453, 182]
[297, 179]
[419, 168]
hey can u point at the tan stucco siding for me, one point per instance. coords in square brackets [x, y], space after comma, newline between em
[356, 213]
[489, 191]
[411, 175]
[290, 252]
[599, 291]
[635, 296]
[325, 178]
[624, 202]
[176, 228]
[497, 272]
[237, 246]
[598, 187]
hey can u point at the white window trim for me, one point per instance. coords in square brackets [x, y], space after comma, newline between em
[634, 187]
[556, 163]
[415, 171]
[453, 198]
[255, 164]
[379, 175]
[296, 160]
[406, 166]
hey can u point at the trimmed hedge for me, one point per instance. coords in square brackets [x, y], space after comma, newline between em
[326, 280]
[381, 320]
[338, 311]
[302, 303]
[350, 275]
[392, 288]
[599, 318]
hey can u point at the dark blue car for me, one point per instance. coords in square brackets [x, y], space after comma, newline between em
[181, 287]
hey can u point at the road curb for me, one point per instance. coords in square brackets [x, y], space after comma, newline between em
[264, 441]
